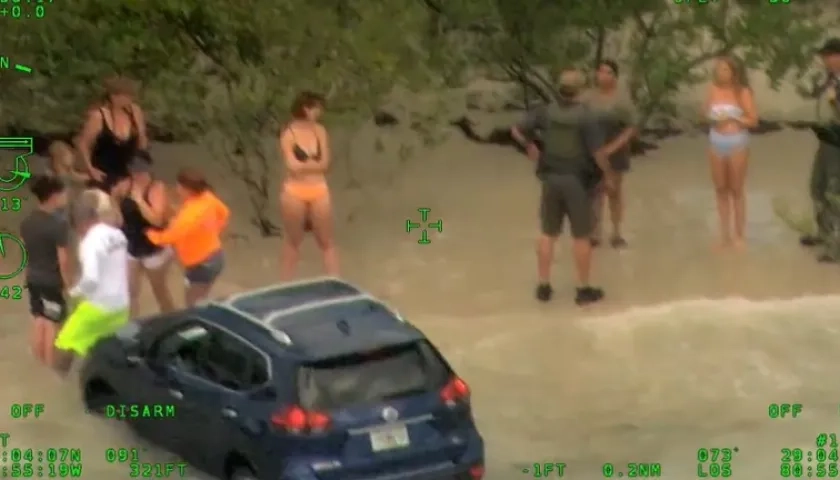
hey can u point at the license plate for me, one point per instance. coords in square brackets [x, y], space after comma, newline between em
[389, 438]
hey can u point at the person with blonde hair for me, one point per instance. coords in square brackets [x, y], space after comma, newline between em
[113, 133]
[63, 164]
[106, 206]
[101, 293]
[730, 108]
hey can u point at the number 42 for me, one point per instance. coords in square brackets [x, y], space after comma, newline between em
[11, 293]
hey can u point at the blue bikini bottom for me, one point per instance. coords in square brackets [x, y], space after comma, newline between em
[725, 144]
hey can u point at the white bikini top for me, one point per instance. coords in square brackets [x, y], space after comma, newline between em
[725, 110]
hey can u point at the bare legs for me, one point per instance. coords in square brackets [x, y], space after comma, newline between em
[157, 281]
[581, 251]
[196, 292]
[738, 167]
[720, 179]
[545, 257]
[729, 178]
[135, 284]
[614, 200]
[42, 340]
[322, 227]
[295, 214]
[598, 213]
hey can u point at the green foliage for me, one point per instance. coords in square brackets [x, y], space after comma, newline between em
[671, 45]
[528, 39]
[218, 72]
[225, 72]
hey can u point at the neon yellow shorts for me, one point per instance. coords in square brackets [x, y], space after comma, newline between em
[87, 325]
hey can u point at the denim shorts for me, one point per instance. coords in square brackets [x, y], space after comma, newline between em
[207, 271]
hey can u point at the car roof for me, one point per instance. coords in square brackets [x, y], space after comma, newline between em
[314, 319]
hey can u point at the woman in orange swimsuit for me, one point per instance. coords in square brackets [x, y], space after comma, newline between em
[305, 198]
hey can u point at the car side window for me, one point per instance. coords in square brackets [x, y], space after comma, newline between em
[236, 364]
[183, 347]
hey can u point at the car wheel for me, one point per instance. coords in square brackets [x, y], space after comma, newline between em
[98, 394]
[243, 473]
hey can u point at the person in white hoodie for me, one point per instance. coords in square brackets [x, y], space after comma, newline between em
[101, 293]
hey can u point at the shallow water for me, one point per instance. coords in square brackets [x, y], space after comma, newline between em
[688, 351]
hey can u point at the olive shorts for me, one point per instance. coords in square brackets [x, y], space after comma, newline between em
[565, 196]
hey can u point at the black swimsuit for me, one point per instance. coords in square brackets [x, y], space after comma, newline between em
[300, 153]
[112, 154]
[135, 225]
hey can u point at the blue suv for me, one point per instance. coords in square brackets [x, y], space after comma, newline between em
[313, 380]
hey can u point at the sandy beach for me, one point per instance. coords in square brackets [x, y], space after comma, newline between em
[688, 350]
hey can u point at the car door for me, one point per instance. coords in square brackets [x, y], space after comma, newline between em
[216, 399]
[159, 388]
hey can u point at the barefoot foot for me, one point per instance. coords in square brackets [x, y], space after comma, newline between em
[740, 244]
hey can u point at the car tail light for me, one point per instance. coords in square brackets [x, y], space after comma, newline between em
[476, 472]
[455, 391]
[295, 419]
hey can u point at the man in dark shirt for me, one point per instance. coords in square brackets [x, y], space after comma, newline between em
[46, 235]
[571, 141]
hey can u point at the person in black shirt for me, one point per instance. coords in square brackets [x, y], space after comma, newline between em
[144, 204]
[113, 133]
[46, 235]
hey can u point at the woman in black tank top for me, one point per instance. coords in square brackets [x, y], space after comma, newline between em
[113, 134]
[143, 203]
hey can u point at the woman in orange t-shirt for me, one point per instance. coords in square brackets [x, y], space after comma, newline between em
[195, 234]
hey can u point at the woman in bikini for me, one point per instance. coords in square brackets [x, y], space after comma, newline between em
[730, 108]
[305, 202]
[113, 133]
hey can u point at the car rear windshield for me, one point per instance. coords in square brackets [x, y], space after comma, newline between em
[371, 377]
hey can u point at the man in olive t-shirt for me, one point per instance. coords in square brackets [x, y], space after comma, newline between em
[571, 139]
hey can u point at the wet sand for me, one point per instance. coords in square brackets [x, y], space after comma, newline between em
[688, 350]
